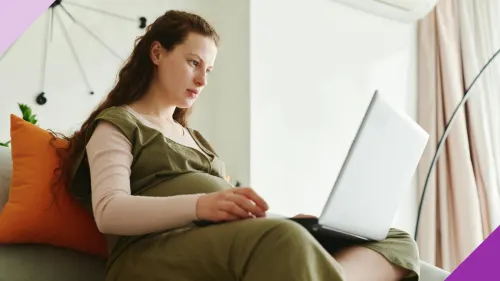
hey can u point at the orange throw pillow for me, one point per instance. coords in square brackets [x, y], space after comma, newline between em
[32, 215]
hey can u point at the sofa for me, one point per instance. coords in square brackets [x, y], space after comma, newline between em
[49, 263]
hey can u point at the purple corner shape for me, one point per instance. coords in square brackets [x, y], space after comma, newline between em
[16, 16]
[483, 264]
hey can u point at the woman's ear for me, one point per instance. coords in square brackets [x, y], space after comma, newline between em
[155, 53]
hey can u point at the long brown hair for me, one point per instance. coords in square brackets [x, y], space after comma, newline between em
[170, 30]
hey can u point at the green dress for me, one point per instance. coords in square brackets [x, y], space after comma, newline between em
[248, 250]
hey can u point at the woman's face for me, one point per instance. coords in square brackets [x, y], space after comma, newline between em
[182, 72]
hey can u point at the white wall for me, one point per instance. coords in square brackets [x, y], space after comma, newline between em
[69, 101]
[228, 90]
[314, 66]
[286, 74]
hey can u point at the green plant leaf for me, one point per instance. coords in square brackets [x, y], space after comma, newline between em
[32, 119]
[27, 116]
[27, 113]
[6, 144]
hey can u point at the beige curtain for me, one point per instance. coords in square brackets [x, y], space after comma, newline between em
[462, 203]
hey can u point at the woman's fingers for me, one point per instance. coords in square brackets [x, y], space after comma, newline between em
[304, 216]
[227, 216]
[246, 204]
[233, 208]
[252, 195]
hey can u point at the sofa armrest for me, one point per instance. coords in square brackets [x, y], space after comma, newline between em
[429, 272]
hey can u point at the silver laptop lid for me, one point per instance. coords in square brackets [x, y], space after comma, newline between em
[376, 173]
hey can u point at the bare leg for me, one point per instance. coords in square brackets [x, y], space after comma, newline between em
[363, 264]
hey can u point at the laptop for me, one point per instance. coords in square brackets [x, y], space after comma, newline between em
[375, 175]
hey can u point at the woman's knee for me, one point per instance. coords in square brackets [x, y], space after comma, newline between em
[282, 233]
[289, 251]
[287, 228]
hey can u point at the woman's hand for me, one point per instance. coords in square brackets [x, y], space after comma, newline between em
[304, 216]
[232, 204]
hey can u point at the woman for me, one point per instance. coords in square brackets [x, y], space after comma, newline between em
[147, 176]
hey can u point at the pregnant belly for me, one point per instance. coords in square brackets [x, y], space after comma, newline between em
[189, 183]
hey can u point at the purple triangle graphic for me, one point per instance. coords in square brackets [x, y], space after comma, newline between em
[482, 264]
[16, 16]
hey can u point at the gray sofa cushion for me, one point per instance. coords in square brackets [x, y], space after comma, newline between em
[431, 273]
[5, 174]
[47, 263]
